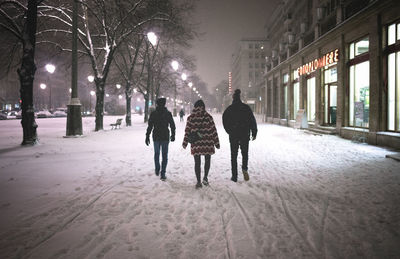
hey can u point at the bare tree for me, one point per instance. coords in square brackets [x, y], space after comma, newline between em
[20, 20]
[103, 27]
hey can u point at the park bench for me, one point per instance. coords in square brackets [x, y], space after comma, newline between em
[116, 124]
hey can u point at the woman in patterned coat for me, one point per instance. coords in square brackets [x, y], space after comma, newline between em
[200, 120]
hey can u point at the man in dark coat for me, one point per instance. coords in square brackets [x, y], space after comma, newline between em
[158, 123]
[239, 121]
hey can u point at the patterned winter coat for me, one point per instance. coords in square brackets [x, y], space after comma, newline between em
[202, 121]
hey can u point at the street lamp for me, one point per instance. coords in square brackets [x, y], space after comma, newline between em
[91, 94]
[152, 37]
[42, 86]
[175, 65]
[90, 78]
[184, 76]
[118, 86]
[50, 69]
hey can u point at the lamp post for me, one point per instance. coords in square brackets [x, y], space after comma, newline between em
[42, 86]
[175, 66]
[50, 68]
[91, 94]
[190, 84]
[91, 79]
[74, 118]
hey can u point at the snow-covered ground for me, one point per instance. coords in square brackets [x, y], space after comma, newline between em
[97, 197]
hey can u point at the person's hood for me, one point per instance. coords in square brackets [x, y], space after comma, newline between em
[199, 111]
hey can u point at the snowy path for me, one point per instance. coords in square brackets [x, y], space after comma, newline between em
[97, 197]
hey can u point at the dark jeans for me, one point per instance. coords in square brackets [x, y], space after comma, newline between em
[243, 143]
[197, 161]
[163, 145]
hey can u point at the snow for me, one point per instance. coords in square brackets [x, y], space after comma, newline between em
[96, 196]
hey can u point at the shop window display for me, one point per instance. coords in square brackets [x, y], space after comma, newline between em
[393, 100]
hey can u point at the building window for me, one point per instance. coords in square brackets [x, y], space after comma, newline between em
[359, 47]
[250, 46]
[250, 54]
[256, 65]
[359, 84]
[250, 65]
[311, 99]
[393, 101]
[296, 93]
[285, 81]
[330, 95]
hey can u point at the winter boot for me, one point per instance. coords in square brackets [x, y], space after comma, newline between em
[205, 181]
[245, 175]
[198, 185]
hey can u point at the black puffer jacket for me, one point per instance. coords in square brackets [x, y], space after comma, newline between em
[158, 123]
[238, 120]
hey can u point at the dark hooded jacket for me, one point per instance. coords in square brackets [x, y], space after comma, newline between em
[238, 120]
[158, 123]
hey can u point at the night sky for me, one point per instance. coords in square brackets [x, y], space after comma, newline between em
[224, 23]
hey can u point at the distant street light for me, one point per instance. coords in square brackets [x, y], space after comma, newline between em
[42, 86]
[118, 86]
[152, 37]
[184, 76]
[90, 78]
[175, 65]
[190, 84]
[50, 68]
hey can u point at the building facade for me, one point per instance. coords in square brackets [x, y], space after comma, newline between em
[336, 63]
[248, 65]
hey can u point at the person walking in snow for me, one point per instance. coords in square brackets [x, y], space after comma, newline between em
[158, 122]
[238, 120]
[199, 121]
[181, 114]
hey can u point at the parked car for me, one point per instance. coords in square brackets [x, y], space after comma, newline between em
[19, 115]
[3, 116]
[12, 115]
[60, 114]
[44, 114]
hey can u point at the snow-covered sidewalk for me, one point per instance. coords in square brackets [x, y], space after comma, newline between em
[97, 197]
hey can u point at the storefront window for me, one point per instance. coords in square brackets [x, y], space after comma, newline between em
[296, 93]
[359, 95]
[285, 95]
[359, 47]
[393, 101]
[311, 99]
[330, 95]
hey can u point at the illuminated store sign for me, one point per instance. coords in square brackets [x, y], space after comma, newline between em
[325, 60]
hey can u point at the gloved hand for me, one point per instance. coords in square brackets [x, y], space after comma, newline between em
[172, 138]
[217, 146]
[147, 141]
[254, 135]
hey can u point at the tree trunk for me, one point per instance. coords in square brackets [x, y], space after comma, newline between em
[99, 105]
[128, 110]
[128, 98]
[26, 75]
[146, 108]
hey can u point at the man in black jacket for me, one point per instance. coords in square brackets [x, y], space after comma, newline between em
[239, 121]
[158, 123]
